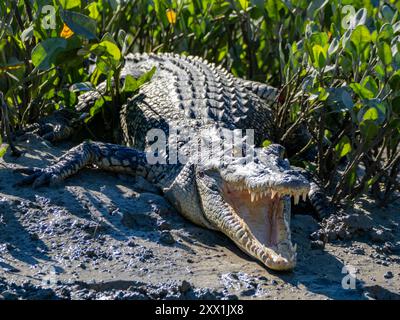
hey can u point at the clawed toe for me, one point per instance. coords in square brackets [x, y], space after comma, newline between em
[36, 177]
[42, 180]
[28, 180]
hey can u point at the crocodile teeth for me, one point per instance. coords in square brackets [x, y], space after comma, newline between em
[296, 198]
[258, 195]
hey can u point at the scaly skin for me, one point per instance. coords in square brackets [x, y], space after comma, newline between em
[244, 193]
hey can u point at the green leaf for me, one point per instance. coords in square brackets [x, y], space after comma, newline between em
[371, 114]
[360, 17]
[386, 33]
[339, 99]
[370, 84]
[266, 143]
[374, 110]
[347, 100]
[69, 4]
[3, 150]
[273, 8]
[396, 27]
[315, 7]
[334, 46]
[320, 38]
[396, 106]
[361, 91]
[343, 147]
[244, 4]
[371, 181]
[127, 43]
[368, 89]
[319, 56]
[146, 77]
[130, 84]
[221, 8]
[380, 71]
[69, 98]
[323, 94]
[80, 24]
[108, 49]
[93, 10]
[105, 66]
[369, 130]
[346, 38]
[98, 106]
[108, 37]
[121, 37]
[114, 4]
[45, 53]
[360, 38]
[394, 81]
[352, 177]
[396, 60]
[81, 86]
[387, 13]
[385, 53]
[108, 56]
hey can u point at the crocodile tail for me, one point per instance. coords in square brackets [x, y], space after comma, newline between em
[317, 196]
[319, 200]
[262, 90]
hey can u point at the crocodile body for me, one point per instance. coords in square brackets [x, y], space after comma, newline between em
[244, 193]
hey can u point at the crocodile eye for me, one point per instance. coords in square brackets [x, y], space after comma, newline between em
[201, 174]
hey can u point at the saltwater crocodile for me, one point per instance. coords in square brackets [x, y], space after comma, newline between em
[244, 192]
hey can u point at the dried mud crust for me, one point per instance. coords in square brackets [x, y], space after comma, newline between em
[108, 236]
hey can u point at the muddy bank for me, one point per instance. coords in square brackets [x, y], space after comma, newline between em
[109, 236]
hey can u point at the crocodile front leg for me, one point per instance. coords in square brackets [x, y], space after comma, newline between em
[103, 155]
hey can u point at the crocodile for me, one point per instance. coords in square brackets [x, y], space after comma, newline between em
[243, 191]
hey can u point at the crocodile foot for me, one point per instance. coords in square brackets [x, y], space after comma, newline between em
[56, 127]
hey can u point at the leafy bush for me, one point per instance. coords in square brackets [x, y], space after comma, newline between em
[343, 84]
[337, 68]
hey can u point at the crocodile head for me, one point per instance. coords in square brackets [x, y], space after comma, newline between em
[249, 201]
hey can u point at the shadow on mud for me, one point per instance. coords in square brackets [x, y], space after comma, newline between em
[20, 243]
[121, 207]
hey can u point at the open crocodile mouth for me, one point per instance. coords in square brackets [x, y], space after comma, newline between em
[264, 219]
